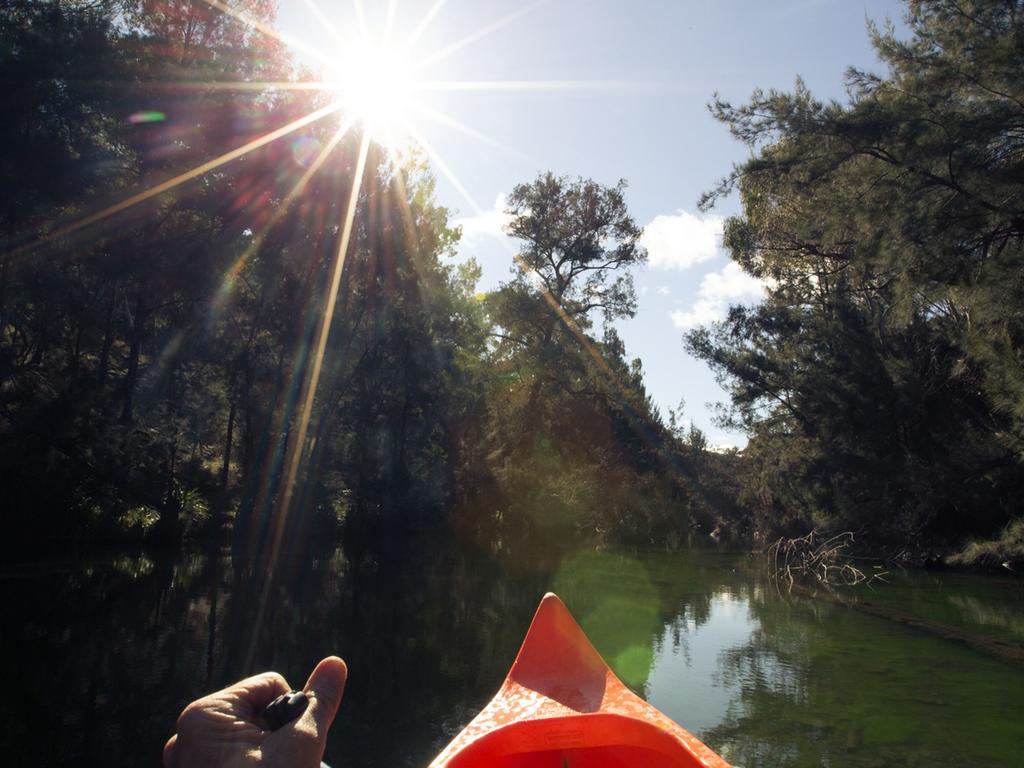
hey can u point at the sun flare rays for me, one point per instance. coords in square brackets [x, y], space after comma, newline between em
[378, 86]
[373, 81]
[298, 445]
[283, 208]
[165, 186]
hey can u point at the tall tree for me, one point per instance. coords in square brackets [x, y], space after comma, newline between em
[578, 243]
[881, 380]
[573, 439]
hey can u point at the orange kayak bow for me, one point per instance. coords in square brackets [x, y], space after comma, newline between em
[561, 706]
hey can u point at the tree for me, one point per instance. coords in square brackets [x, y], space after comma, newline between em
[578, 243]
[577, 235]
[572, 438]
[128, 348]
[881, 379]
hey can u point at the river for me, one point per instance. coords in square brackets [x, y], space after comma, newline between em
[99, 656]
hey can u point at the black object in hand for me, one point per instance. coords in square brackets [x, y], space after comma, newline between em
[284, 709]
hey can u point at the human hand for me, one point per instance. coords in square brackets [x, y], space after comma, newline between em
[223, 730]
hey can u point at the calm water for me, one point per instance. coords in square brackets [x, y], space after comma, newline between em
[100, 656]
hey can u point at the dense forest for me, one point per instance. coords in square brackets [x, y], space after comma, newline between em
[154, 360]
[882, 381]
[169, 253]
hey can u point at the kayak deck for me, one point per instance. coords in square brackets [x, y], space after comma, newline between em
[561, 706]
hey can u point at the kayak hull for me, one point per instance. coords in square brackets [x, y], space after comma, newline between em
[561, 706]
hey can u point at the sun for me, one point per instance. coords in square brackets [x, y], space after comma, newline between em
[374, 85]
[368, 81]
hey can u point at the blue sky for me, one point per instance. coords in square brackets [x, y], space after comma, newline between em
[662, 61]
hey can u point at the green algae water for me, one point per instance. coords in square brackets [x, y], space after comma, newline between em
[100, 656]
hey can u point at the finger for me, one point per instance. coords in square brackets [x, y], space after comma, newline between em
[170, 748]
[327, 684]
[254, 693]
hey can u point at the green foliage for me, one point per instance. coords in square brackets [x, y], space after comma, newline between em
[1007, 550]
[881, 381]
[143, 518]
[578, 240]
[152, 363]
[573, 442]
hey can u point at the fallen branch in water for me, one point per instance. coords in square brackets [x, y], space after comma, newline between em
[826, 561]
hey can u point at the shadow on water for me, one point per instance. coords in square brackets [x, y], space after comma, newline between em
[104, 653]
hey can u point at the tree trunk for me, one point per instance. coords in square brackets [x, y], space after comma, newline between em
[43, 340]
[108, 336]
[76, 353]
[4, 269]
[168, 528]
[229, 437]
[531, 417]
[132, 374]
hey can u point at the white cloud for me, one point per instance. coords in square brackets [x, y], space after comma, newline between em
[485, 224]
[730, 285]
[680, 241]
[702, 313]
[664, 290]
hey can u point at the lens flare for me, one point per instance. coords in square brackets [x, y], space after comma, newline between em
[150, 116]
[304, 150]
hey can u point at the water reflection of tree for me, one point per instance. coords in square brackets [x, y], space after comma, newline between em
[428, 628]
[819, 685]
[108, 652]
[989, 615]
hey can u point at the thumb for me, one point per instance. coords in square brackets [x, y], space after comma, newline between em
[327, 684]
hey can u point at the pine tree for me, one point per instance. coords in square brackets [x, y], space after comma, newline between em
[881, 380]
